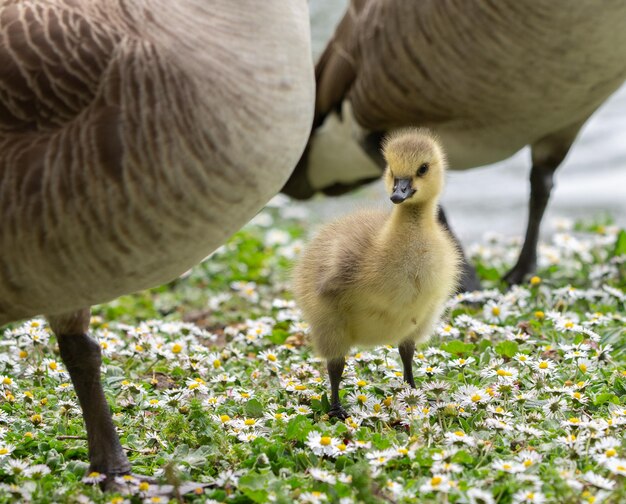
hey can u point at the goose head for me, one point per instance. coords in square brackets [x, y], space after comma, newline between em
[415, 166]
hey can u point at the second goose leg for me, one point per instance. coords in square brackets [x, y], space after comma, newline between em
[335, 371]
[81, 356]
[547, 154]
[407, 350]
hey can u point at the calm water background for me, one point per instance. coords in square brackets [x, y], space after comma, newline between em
[591, 181]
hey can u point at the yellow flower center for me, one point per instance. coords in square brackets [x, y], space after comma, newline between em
[177, 348]
[543, 365]
[499, 409]
[476, 398]
[495, 311]
[535, 280]
[3, 451]
[217, 363]
[582, 367]
[361, 398]
[224, 418]
[271, 357]
[250, 421]
[94, 474]
[569, 324]
[23, 354]
[462, 361]
[574, 420]
[388, 401]
[539, 314]
[459, 433]
[429, 369]
[528, 463]
[507, 467]
[610, 452]
[436, 480]
[341, 447]
[7, 381]
[245, 395]
[577, 395]
[144, 486]
[503, 372]
[361, 383]
[377, 408]
[325, 441]
[300, 387]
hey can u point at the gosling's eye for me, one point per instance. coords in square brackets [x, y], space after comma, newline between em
[422, 170]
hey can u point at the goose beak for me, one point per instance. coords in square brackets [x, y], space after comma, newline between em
[402, 190]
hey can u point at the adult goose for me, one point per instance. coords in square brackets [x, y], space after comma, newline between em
[487, 77]
[135, 137]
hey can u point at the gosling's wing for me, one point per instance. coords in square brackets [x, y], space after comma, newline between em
[347, 245]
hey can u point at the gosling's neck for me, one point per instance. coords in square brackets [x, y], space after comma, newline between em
[414, 215]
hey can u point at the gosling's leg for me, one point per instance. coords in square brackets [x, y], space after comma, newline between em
[547, 154]
[469, 279]
[81, 356]
[335, 370]
[407, 350]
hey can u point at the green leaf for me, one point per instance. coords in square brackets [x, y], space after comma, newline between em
[507, 349]
[254, 486]
[620, 244]
[605, 398]
[298, 428]
[462, 457]
[254, 408]
[487, 273]
[457, 347]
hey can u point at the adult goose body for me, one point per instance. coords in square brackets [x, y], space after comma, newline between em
[135, 137]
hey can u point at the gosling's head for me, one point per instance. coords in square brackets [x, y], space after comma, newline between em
[415, 166]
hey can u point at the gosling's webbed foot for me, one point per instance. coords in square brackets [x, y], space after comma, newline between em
[338, 411]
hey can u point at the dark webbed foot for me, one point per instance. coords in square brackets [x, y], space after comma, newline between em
[518, 273]
[337, 411]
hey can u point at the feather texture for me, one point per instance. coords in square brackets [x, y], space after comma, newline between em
[136, 136]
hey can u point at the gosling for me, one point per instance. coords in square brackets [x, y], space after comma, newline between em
[375, 277]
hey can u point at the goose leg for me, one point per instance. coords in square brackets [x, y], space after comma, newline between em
[81, 356]
[469, 279]
[407, 350]
[335, 370]
[547, 154]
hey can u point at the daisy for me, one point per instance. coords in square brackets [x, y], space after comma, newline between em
[323, 475]
[459, 437]
[321, 445]
[314, 497]
[438, 483]
[616, 466]
[379, 458]
[528, 497]
[508, 466]
[598, 481]
[528, 458]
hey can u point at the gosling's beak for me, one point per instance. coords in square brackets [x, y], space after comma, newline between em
[401, 190]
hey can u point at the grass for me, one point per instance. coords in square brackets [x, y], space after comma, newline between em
[520, 398]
